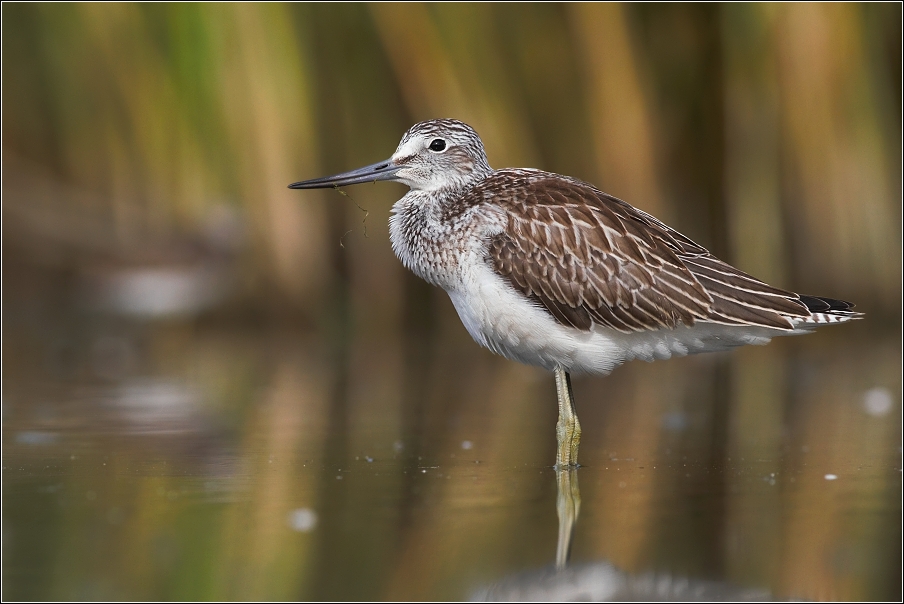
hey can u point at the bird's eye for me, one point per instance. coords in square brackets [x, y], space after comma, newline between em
[437, 145]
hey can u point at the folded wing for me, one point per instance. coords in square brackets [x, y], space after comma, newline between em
[589, 258]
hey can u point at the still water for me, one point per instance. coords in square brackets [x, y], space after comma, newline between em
[177, 459]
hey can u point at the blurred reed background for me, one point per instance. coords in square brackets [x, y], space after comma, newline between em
[153, 257]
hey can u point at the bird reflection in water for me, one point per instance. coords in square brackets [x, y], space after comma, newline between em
[602, 581]
[568, 507]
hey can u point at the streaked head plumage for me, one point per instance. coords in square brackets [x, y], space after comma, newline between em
[440, 154]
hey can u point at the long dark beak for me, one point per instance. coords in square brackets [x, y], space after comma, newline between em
[384, 170]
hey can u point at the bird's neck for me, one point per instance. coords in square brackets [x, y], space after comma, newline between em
[423, 237]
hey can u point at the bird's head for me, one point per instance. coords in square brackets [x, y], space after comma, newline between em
[442, 154]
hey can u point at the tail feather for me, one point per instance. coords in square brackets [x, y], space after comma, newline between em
[828, 310]
[820, 304]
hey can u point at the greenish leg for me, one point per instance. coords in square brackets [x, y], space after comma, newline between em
[568, 429]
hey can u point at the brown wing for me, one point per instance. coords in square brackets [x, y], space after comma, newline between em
[590, 258]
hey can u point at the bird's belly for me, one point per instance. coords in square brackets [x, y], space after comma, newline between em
[503, 320]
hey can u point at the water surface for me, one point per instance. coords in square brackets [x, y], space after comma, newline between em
[185, 460]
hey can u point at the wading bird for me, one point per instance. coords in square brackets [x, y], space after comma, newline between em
[550, 271]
